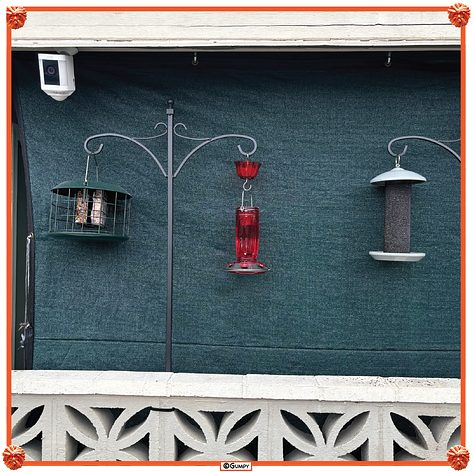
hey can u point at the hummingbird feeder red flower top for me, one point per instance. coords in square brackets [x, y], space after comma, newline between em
[16, 17]
[13, 456]
[247, 169]
[459, 14]
[458, 457]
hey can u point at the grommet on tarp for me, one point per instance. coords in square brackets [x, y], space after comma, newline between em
[94, 210]
[398, 183]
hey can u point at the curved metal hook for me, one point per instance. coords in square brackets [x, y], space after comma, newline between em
[247, 154]
[243, 195]
[187, 137]
[244, 153]
[92, 153]
[210, 140]
[114, 135]
[158, 135]
[398, 154]
[218, 137]
[439, 143]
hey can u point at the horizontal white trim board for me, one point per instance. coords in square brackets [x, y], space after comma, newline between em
[252, 386]
[181, 29]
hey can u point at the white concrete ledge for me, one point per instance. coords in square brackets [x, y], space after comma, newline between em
[272, 387]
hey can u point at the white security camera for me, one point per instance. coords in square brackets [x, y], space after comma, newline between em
[57, 75]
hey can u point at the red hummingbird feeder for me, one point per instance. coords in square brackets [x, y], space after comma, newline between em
[247, 170]
[247, 226]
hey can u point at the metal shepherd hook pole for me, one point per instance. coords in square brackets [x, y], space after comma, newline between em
[169, 288]
[170, 175]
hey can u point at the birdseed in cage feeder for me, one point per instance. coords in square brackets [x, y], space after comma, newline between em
[93, 210]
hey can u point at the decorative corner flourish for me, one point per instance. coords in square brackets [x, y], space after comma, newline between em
[458, 457]
[459, 14]
[13, 456]
[16, 17]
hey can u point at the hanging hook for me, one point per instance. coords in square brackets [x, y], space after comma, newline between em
[245, 188]
[87, 169]
[251, 200]
[96, 168]
[388, 62]
[397, 161]
[423, 138]
[400, 154]
[195, 61]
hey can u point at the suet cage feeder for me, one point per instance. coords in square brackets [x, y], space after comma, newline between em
[96, 211]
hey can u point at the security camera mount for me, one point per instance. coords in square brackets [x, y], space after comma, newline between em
[67, 51]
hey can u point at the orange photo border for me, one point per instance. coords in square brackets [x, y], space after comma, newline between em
[463, 237]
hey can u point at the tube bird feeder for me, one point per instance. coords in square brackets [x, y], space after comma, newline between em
[398, 185]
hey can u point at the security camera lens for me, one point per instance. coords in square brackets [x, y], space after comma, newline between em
[51, 72]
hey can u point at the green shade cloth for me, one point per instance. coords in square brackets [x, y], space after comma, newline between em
[322, 123]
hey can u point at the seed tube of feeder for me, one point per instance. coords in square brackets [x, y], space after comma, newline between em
[397, 216]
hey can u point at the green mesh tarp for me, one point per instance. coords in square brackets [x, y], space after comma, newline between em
[322, 123]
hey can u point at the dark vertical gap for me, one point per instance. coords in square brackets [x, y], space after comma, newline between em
[25, 214]
[20, 261]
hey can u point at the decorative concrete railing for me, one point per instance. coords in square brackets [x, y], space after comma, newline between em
[143, 416]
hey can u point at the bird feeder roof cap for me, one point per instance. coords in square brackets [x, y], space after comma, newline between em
[93, 185]
[398, 174]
